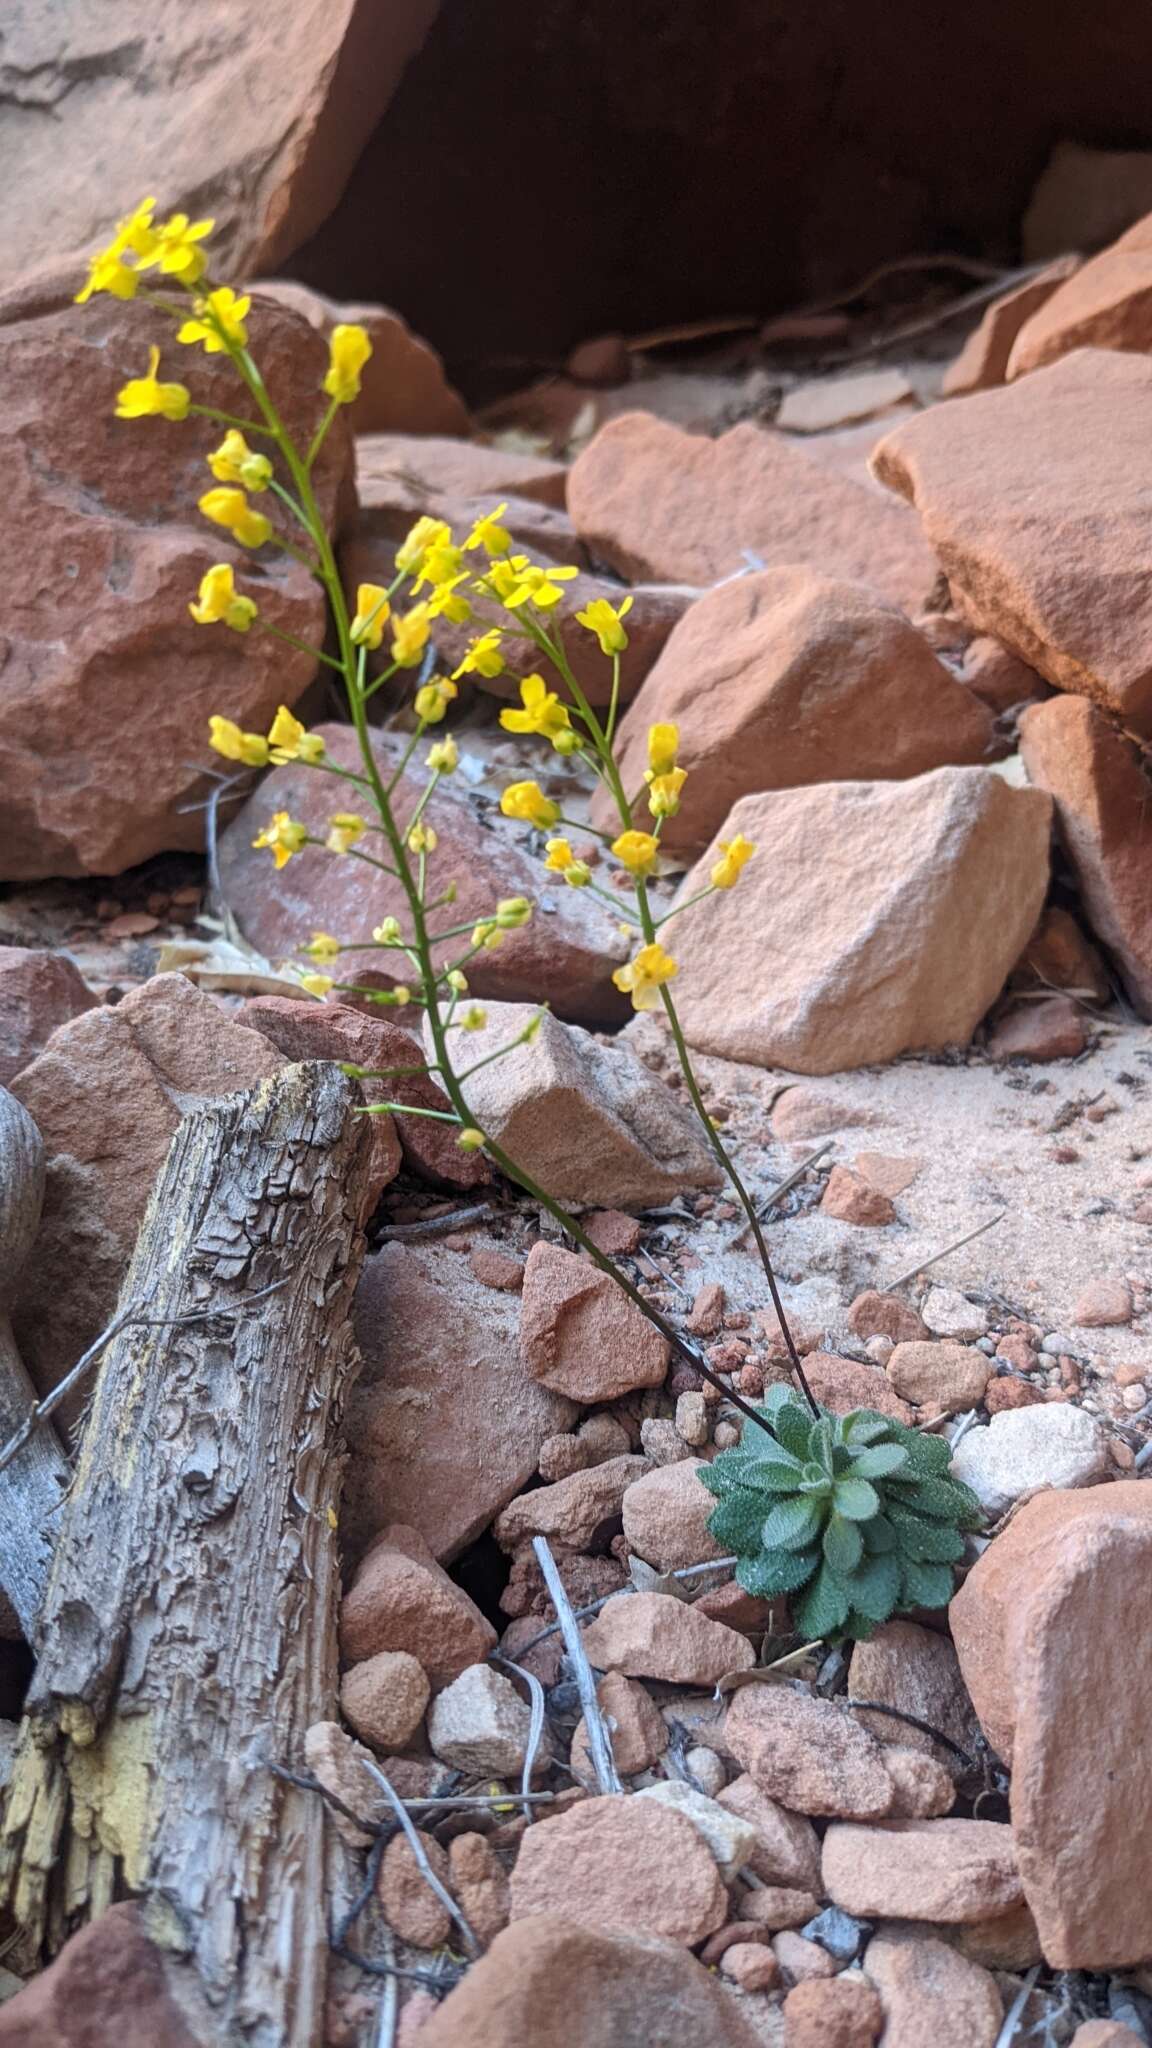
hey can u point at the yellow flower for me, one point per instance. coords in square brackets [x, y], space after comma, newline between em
[144, 397]
[474, 1018]
[175, 249]
[663, 742]
[483, 656]
[432, 700]
[457, 981]
[470, 1139]
[606, 621]
[441, 562]
[290, 741]
[400, 995]
[220, 320]
[348, 350]
[644, 976]
[283, 835]
[345, 828]
[410, 631]
[322, 946]
[526, 800]
[444, 757]
[372, 614]
[733, 854]
[422, 839]
[427, 533]
[230, 508]
[487, 934]
[664, 792]
[317, 984]
[234, 462]
[543, 712]
[221, 603]
[563, 861]
[532, 585]
[489, 534]
[388, 932]
[109, 271]
[227, 739]
[446, 603]
[512, 911]
[637, 851]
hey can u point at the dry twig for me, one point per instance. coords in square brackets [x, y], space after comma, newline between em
[599, 1743]
[412, 1838]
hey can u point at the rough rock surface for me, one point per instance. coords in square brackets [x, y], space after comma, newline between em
[942, 1378]
[585, 1118]
[307, 1030]
[565, 959]
[944, 878]
[444, 1423]
[580, 1335]
[480, 1724]
[730, 1838]
[618, 1862]
[639, 1733]
[1044, 1627]
[661, 504]
[108, 685]
[789, 678]
[1099, 783]
[808, 1753]
[653, 1635]
[932, 1997]
[107, 1984]
[1033, 498]
[479, 1884]
[401, 1599]
[574, 1513]
[983, 360]
[407, 1901]
[1106, 303]
[915, 1670]
[922, 1869]
[107, 1093]
[1027, 1449]
[787, 1848]
[547, 1980]
[666, 1516]
[843, 2013]
[384, 1698]
[269, 179]
[403, 388]
[437, 466]
[1055, 1029]
[38, 990]
[842, 1384]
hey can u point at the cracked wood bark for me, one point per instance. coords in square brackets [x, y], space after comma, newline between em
[33, 1485]
[189, 1628]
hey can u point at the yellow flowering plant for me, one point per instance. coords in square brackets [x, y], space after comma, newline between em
[382, 634]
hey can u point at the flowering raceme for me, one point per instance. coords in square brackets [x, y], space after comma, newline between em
[234, 462]
[734, 853]
[145, 397]
[543, 712]
[219, 322]
[220, 603]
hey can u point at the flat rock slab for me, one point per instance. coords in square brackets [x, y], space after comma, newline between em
[616, 1861]
[947, 1870]
[1035, 499]
[1047, 1628]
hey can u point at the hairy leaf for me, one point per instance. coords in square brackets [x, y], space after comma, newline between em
[793, 1426]
[857, 1499]
[738, 1521]
[878, 1461]
[824, 1607]
[874, 1587]
[783, 1572]
[843, 1544]
[790, 1525]
[865, 1426]
[927, 1585]
[924, 1541]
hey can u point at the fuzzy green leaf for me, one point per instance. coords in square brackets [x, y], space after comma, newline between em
[879, 1536]
[793, 1426]
[865, 1426]
[859, 1627]
[843, 1545]
[874, 1587]
[786, 1570]
[737, 1521]
[772, 1475]
[878, 1461]
[790, 1525]
[824, 1607]
[923, 1541]
[927, 1585]
[856, 1499]
[943, 1499]
[926, 1454]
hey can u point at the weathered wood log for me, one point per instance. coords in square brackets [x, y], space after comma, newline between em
[189, 1629]
[33, 1485]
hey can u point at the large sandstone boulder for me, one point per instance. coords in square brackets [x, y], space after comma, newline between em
[1035, 499]
[565, 959]
[403, 388]
[586, 1118]
[662, 505]
[546, 1980]
[252, 118]
[445, 1422]
[876, 918]
[1106, 303]
[787, 678]
[108, 685]
[1103, 796]
[107, 1093]
[1047, 1628]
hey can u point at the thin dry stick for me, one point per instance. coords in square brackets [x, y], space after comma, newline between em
[783, 1188]
[535, 1730]
[422, 1864]
[890, 1286]
[389, 1999]
[1015, 2012]
[599, 1743]
[688, 1571]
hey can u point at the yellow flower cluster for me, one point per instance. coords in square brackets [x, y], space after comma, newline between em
[734, 853]
[286, 740]
[527, 801]
[665, 780]
[139, 244]
[561, 860]
[542, 713]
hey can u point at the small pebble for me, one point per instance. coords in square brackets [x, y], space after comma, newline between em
[1055, 1342]
[725, 1436]
[692, 1419]
[1134, 1396]
[706, 1770]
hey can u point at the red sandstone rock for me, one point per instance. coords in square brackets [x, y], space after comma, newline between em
[983, 360]
[845, 2012]
[107, 1984]
[618, 1862]
[666, 1516]
[1105, 303]
[653, 1635]
[932, 1997]
[401, 1599]
[38, 991]
[915, 1670]
[403, 388]
[922, 1869]
[941, 1378]
[580, 1335]
[851, 1199]
[1054, 1029]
